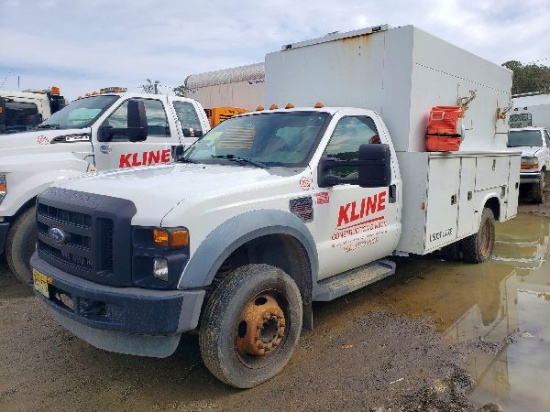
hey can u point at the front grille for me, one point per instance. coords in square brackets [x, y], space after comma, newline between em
[82, 233]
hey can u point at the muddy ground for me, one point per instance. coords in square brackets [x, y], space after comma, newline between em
[359, 357]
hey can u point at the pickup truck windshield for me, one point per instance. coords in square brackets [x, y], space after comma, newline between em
[80, 113]
[271, 139]
[518, 138]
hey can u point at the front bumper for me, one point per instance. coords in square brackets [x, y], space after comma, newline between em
[120, 319]
[530, 177]
[4, 229]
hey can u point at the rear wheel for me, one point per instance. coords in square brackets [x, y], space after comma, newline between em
[538, 189]
[478, 247]
[251, 325]
[21, 243]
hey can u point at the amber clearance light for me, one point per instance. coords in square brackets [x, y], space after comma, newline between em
[173, 238]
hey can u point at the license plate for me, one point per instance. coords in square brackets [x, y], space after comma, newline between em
[41, 282]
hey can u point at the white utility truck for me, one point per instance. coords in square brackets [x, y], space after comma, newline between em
[529, 122]
[93, 133]
[275, 209]
[21, 111]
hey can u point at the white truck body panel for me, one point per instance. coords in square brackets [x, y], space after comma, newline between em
[400, 73]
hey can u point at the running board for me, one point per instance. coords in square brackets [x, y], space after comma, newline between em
[349, 281]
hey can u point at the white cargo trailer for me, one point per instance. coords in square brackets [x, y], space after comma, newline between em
[241, 86]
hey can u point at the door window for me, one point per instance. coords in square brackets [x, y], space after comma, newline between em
[157, 123]
[188, 117]
[350, 133]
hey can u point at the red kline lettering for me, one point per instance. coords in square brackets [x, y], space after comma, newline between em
[165, 157]
[124, 160]
[343, 214]
[368, 205]
[381, 201]
[154, 157]
[135, 160]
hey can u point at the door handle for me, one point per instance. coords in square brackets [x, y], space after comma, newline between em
[392, 194]
[105, 148]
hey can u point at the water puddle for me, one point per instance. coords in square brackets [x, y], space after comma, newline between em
[498, 311]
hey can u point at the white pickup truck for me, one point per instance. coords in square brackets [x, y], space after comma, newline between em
[21, 111]
[275, 209]
[529, 124]
[94, 133]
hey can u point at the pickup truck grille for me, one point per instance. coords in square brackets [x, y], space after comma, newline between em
[81, 233]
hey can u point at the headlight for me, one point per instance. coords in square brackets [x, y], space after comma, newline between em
[160, 269]
[529, 163]
[3, 187]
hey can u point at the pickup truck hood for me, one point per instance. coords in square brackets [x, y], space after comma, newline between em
[156, 190]
[37, 141]
[528, 151]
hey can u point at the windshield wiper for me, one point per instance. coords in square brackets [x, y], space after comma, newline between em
[241, 160]
[48, 126]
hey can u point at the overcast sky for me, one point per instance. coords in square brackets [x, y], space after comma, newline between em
[84, 45]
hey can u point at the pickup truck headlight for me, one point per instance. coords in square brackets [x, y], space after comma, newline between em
[3, 187]
[159, 256]
[529, 163]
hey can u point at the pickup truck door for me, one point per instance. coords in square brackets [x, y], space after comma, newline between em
[355, 225]
[156, 149]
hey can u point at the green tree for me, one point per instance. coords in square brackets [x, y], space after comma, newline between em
[529, 77]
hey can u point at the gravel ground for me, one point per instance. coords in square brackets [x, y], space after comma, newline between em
[360, 356]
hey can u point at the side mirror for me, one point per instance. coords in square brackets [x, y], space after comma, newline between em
[137, 121]
[374, 165]
[137, 125]
[177, 152]
[373, 168]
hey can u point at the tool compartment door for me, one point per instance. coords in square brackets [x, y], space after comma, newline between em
[442, 202]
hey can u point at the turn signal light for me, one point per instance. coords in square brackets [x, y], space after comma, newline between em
[174, 238]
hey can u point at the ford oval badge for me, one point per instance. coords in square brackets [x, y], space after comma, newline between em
[57, 235]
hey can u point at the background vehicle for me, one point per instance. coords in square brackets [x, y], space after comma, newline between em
[238, 87]
[275, 209]
[21, 111]
[530, 121]
[98, 132]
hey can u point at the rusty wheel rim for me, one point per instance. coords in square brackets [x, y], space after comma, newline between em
[261, 326]
[486, 239]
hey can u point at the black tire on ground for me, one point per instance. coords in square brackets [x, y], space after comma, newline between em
[250, 326]
[21, 243]
[538, 189]
[478, 247]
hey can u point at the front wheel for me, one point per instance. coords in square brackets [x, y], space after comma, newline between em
[478, 247]
[21, 243]
[250, 326]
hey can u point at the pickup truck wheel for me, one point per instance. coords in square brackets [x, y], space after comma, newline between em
[21, 243]
[478, 247]
[250, 326]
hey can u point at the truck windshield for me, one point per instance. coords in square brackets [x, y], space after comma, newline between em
[518, 138]
[80, 113]
[271, 139]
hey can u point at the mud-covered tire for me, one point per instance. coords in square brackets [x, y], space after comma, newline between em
[478, 247]
[225, 325]
[21, 243]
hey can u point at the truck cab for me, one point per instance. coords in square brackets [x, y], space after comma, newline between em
[21, 111]
[97, 132]
[534, 143]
